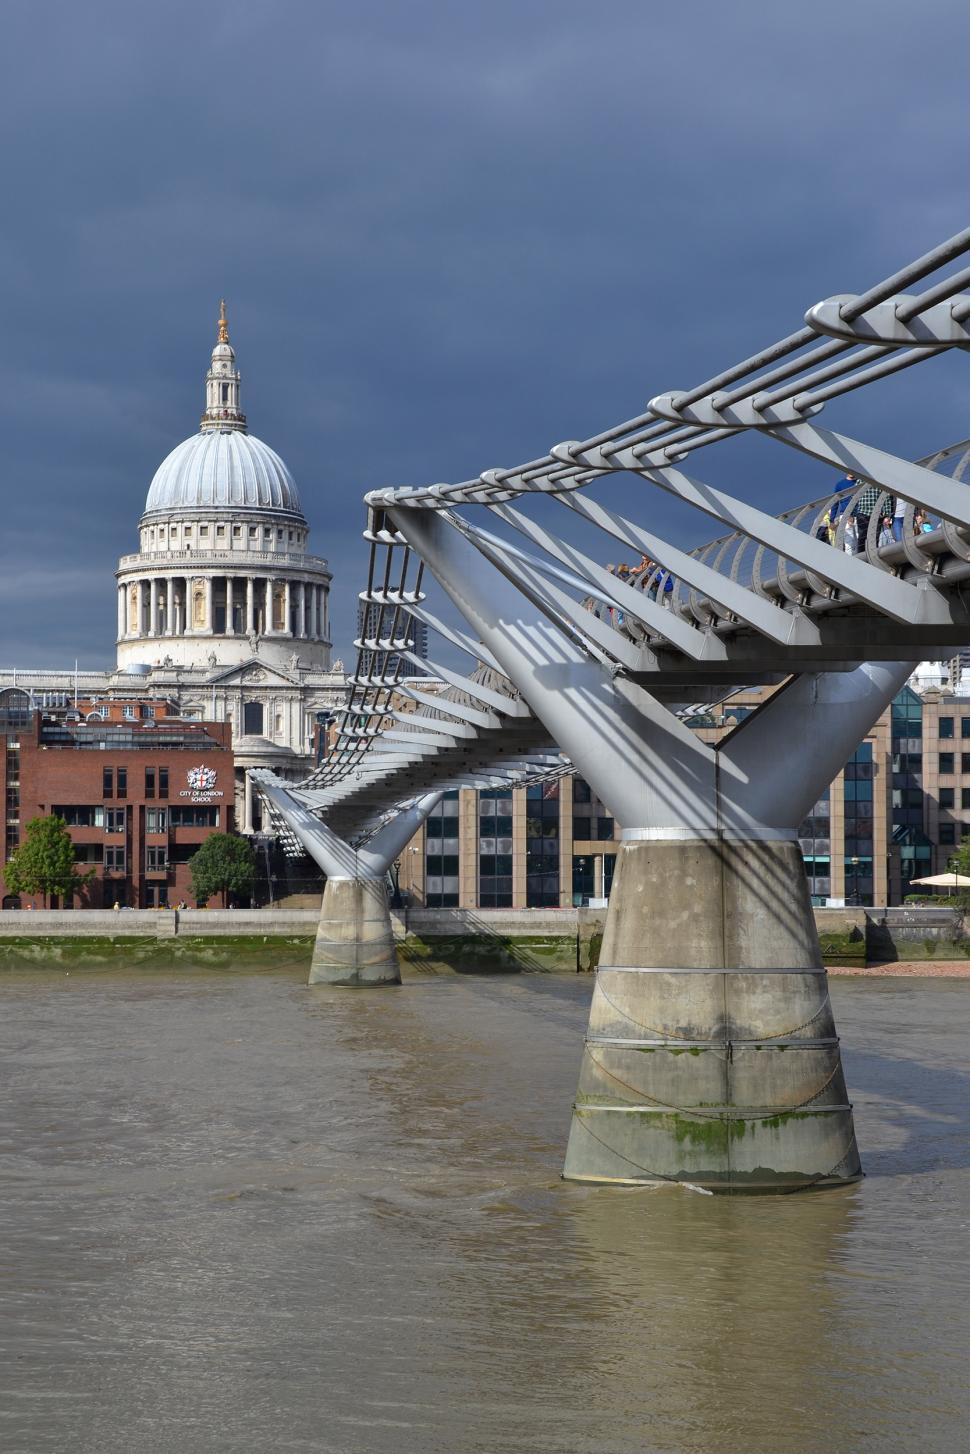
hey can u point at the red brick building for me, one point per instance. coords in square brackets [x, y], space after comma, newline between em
[139, 788]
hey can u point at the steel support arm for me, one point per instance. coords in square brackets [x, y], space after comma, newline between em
[847, 572]
[337, 858]
[913, 482]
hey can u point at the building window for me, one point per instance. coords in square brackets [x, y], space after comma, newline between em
[495, 849]
[542, 846]
[129, 713]
[945, 762]
[194, 817]
[965, 797]
[858, 836]
[156, 820]
[107, 782]
[441, 854]
[948, 833]
[220, 530]
[148, 711]
[946, 797]
[82, 815]
[122, 782]
[965, 726]
[253, 532]
[163, 782]
[114, 860]
[236, 531]
[155, 858]
[203, 529]
[814, 839]
[114, 820]
[965, 761]
[252, 719]
[584, 879]
[946, 727]
[149, 782]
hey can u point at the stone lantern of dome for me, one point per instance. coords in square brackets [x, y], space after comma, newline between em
[223, 573]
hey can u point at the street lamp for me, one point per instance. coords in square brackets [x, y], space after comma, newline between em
[853, 897]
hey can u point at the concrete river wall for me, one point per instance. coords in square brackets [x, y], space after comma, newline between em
[437, 940]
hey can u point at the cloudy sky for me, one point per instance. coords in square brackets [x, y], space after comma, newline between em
[450, 235]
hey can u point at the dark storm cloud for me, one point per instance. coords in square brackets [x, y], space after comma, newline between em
[450, 235]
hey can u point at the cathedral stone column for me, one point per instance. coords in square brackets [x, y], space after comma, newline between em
[267, 606]
[170, 626]
[230, 604]
[153, 608]
[250, 605]
[121, 612]
[301, 609]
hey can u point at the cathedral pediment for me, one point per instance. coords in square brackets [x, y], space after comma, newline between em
[253, 673]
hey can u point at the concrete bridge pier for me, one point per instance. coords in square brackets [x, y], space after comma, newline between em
[711, 1055]
[354, 945]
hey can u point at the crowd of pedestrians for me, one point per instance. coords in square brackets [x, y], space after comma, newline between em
[646, 576]
[658, 584]
[855, 533]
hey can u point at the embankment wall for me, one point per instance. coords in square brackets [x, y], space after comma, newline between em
[440, 940]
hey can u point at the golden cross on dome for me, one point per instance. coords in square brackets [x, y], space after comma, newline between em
[223, 322]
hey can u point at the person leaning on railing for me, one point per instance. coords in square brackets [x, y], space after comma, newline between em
[639, 573]
[867, 502]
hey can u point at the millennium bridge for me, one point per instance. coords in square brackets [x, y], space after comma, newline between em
[711, 1056]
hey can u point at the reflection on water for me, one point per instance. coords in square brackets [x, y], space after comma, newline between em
[240, 1214]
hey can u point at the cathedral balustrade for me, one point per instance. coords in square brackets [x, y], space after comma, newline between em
[291, 559]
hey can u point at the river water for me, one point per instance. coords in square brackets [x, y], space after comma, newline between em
[238, 1214]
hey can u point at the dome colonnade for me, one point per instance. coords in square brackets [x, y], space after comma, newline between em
[231, 603]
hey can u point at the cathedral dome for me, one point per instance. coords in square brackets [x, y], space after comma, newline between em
[218, 470]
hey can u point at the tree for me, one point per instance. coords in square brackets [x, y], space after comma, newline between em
[960, 861]
[44, 863]
[225, 864]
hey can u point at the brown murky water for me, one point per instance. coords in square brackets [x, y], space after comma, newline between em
[241, 1215]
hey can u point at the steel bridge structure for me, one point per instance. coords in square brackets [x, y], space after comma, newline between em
[710, 946]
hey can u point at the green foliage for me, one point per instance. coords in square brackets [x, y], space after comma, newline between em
[44, 863]
[958, 899]
[225, 864]
[960, 862]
